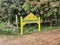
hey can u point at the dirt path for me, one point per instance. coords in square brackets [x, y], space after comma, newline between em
[51, 37]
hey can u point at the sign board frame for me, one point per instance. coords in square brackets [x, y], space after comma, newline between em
[26, 21]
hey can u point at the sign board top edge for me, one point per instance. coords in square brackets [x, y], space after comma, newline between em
[31, 16]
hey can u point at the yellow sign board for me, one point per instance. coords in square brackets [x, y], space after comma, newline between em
[31, 18]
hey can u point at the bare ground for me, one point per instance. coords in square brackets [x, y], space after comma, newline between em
[51, 37]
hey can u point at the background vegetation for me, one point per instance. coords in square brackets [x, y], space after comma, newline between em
[48, 10]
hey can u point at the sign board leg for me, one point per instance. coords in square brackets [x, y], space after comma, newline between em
[21, 26]
[39, 24]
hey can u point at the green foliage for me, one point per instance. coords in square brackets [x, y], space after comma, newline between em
[7, 31]
[46, 9]
[43, 8]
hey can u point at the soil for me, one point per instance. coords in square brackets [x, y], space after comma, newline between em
[51, 37]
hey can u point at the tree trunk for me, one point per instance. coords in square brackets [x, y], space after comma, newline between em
[17, 21]
[8, 21]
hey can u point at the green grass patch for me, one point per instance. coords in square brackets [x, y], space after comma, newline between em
[28, 29]
[34, 29]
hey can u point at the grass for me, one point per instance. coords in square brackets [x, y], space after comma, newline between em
[34, 29]
[45, 28]
[28, 29]
[4, 30]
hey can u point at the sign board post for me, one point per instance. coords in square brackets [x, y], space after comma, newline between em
[39, 24]
[21, 26]
[29, 19]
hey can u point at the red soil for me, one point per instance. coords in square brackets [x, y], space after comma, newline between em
[51, 37]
